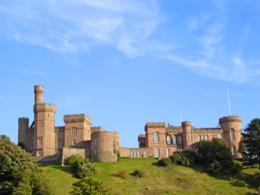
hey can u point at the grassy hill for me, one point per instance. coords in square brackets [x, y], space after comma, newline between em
[156, 180]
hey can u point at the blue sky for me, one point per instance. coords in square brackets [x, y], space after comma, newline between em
[126, 62]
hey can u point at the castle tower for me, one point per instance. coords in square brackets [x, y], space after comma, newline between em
[187, 137]
[23, 128]
[44, 121]
[38, 91]
[231, 126]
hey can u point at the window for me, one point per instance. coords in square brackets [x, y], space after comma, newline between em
[198, 137]
[179, 140]
[144, 154]
[232, 134]
[74, 130]
[168, 139]
[173, 139]
[39, 141]
[138, 154]
[74, 142]
[219, 136]
[206, 137]
[156, 137]
[157, 153]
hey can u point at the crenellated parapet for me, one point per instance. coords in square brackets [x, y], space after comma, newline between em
[43, 107]
[77, 118]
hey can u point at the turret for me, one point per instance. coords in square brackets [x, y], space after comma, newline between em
[187, 137]
[38, 94]
[23, 128]
[231, 126]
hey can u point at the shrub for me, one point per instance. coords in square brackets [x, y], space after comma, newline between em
[79, 166]
[90, 186]
[137, 173]
[122, 173]
[19, 172]
[183, 158]
[165, 162]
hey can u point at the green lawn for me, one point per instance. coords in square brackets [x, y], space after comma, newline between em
[156, 180]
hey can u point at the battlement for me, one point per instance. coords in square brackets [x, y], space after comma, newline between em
[155, 124]
[186, 123]
[72, 118]
[226, 119]
[38, 88]
[25, 119]
[42, 107]
[97, 129]
[207, 129]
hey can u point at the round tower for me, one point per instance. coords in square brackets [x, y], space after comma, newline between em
[187, 138]
[38, 92]
[231, 126]
[23, 126]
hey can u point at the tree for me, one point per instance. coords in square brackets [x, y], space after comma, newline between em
[215, 157]
[251, 142]
[19, 172]
[79, 166]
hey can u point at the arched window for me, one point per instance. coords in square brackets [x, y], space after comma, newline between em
[173, 139]
[233, 150]
[156, 137]
[157, 153]
[232, 134]
[206, 137]
[168, 139]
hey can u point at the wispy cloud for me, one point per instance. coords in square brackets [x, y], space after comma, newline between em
[63, 25]
[135, 28]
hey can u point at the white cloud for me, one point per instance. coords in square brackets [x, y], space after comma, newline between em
[133, 27]
[64, 25]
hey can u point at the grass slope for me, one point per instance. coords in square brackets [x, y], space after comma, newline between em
[156, 180]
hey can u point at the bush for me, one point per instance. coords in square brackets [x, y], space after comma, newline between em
[79, 166]
[165, 162]
[19, 172]
[137, 173]
[183, 158]
[122, 173]
[90, 186]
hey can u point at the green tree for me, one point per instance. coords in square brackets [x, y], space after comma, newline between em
[215, 157]
[90, 186]
[19, 172]
[252, 142]
[79, 166]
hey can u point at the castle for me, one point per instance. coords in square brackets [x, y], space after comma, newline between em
[53, 144]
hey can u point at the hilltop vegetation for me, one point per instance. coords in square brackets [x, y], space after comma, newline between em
[173, 179]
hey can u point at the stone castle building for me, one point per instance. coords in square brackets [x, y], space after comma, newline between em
[53, 144]
[161, 140]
